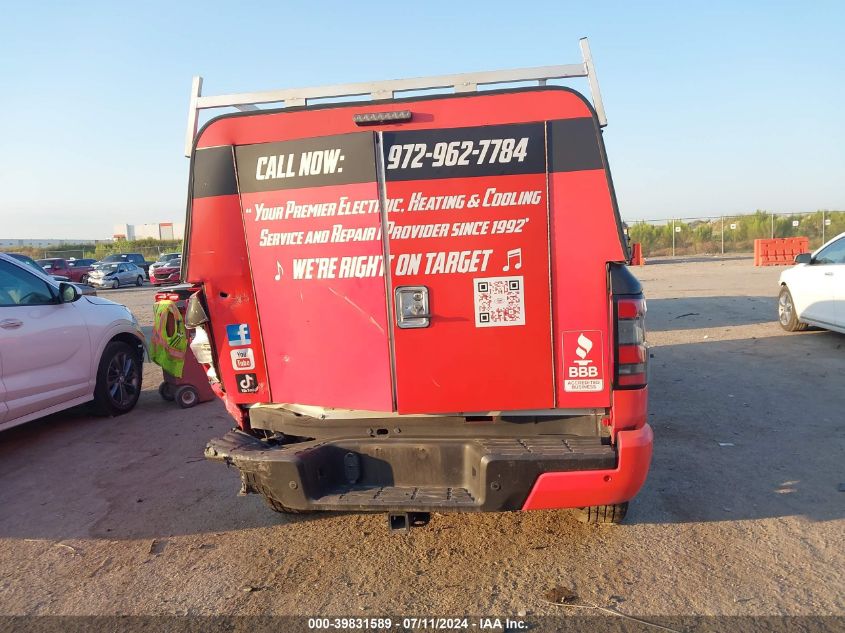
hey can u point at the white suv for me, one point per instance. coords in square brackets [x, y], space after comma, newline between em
[813, 292]
[59, 349]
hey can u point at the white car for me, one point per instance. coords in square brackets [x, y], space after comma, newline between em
[813, 291]
[59, 349]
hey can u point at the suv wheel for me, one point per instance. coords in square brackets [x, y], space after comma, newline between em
[118, 379]
[115, 284]
[787, 316]
[139, 281]
[603, 514]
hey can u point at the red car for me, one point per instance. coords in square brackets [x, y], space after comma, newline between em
[74, 269]
[169, 273]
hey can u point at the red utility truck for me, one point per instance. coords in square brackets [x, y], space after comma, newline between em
[419, 304]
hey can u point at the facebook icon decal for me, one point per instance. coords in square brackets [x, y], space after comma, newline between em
[238, 334]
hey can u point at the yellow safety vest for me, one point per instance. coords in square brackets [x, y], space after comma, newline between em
[169, 340]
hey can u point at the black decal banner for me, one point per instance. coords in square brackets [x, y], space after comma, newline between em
[312, 162]
[494, 150]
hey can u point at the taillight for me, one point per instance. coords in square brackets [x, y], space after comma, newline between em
[631, 348]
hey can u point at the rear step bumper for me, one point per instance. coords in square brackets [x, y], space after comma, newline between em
[427, 475]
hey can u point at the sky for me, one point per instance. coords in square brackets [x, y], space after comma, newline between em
[713, 108]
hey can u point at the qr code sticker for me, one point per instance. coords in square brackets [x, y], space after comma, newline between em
[499, 301]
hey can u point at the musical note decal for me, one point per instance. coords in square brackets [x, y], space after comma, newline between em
[279, 271]
[515, 253]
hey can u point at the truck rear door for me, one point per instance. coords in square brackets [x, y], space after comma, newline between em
[467, 235]
[313, 232]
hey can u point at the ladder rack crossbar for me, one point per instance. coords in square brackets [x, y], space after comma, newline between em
[394, 86]
[460, 83]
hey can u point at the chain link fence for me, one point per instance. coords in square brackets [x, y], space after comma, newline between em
[75, 253]
[713, 235]
[151, 252]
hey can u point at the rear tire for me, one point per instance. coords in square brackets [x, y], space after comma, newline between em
[787, 316]
[139, 281]
[603, 514]
[119, 376]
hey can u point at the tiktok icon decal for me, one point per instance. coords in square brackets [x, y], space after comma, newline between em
[247, 383]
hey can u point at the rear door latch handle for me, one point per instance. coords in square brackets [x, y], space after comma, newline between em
[412, 307]
[10, 324]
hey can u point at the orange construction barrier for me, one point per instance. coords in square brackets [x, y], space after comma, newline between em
[780, 251]
[637, 254]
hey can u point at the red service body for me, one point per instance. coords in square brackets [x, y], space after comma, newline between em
[429, 310]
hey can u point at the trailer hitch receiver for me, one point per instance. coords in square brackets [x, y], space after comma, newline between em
[402, 522]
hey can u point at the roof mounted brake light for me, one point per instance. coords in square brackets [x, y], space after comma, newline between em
[379, 118]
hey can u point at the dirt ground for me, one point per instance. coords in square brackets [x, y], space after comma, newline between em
[741, 513]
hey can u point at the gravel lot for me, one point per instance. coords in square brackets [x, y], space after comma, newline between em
[740, 515]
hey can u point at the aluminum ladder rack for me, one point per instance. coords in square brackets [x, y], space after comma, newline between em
[380, 90]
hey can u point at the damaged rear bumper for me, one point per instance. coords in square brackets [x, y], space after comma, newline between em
[576, 489]
[426, 475]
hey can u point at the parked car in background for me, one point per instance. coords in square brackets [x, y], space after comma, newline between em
[54, 266]
[73, 269]
[813, 291]
[115, 275]
[168, 273]
[25, 259]
[135, 258]
[61, 349]
[162, 260]
[80, 268]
